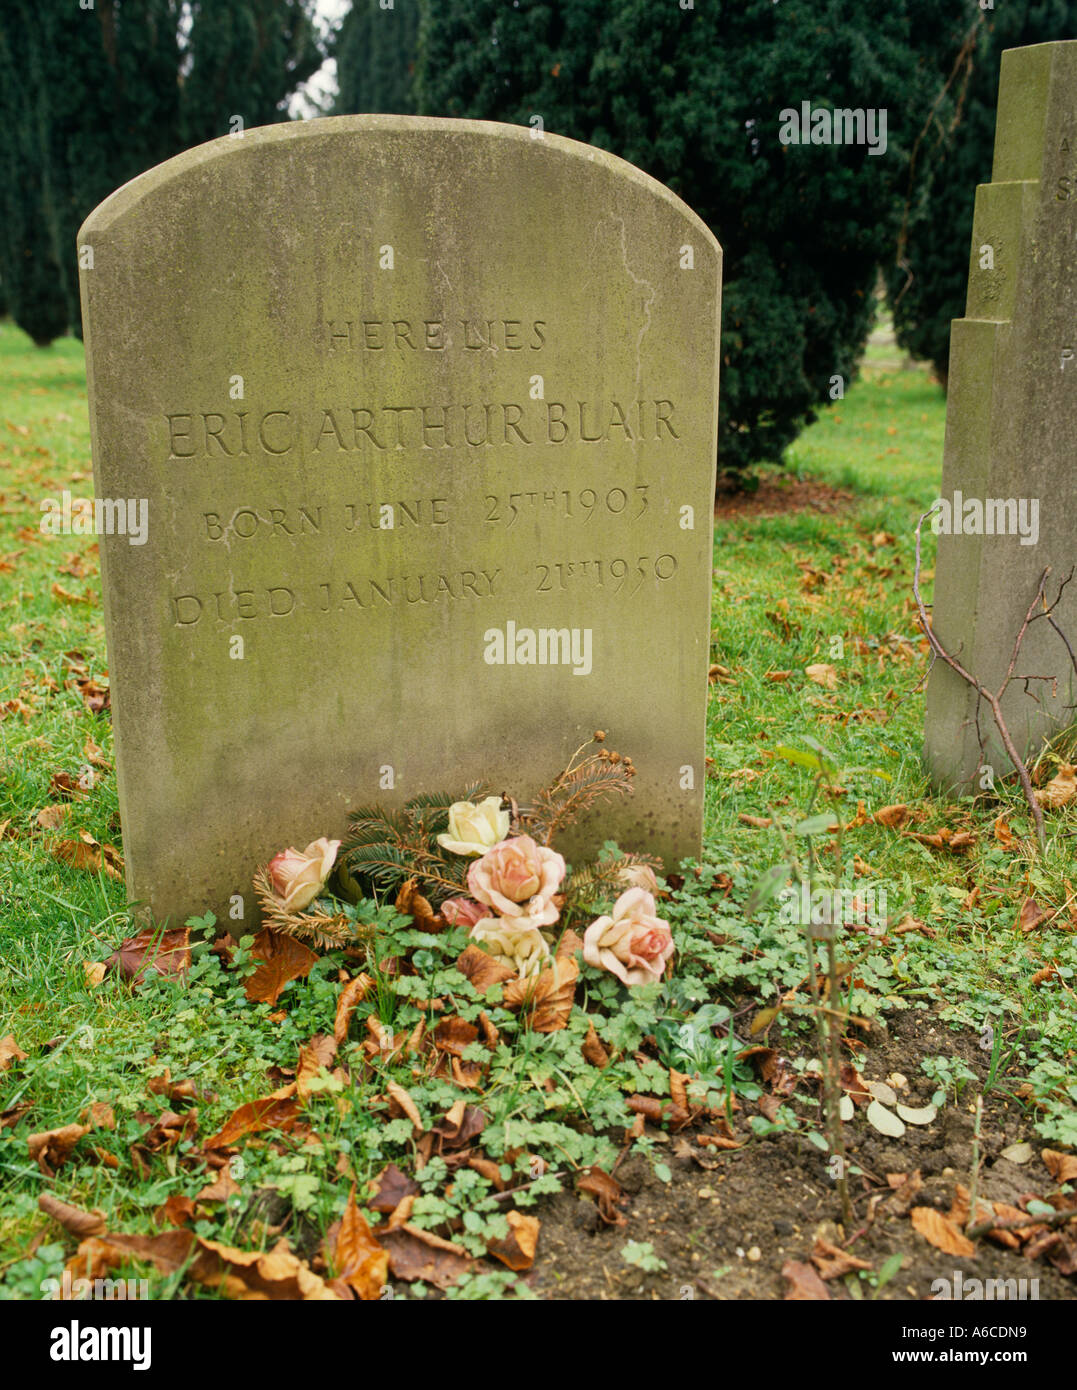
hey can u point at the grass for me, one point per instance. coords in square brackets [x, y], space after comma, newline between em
[790, 591]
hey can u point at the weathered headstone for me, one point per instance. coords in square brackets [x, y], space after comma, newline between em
[1009, 476]
[425, 413]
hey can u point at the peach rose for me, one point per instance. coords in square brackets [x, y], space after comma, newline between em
[518, 879]
[297, 878]
[462, 912]
[634, 944]
[473, 829]
[524, 951]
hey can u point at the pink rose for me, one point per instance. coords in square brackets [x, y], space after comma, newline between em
[462, 912]
[298, 878]
[634, 944]
[518, 879]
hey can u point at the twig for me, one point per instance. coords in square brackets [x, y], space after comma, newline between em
[974, 1177]
[993, 699]
[1058, 1218]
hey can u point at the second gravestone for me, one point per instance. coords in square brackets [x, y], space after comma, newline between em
[1009, 488]
[425, 413]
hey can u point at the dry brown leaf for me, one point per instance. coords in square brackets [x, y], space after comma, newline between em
[176, 1210]
[517, 1250]
[804, 1283]
[251, 1274]
[222, 1189]
[593, 1049]
[99, 1115]
[1030, 916]
[417, 1254]
[1061, 789]
[608, 1193]
[167, 952]
[51, 817]
[457, 1127]
[278, 1111]
[776, 675]
[453, 1034]
[73, 1219]
[404, 1103]
[941, 1232]
[95, 972]
[390, 1187]
[353, 994]
[357, 1257]
[822, 674]
[545, 1001]
[314, 1057]
[833, 1262]
[10, 1051]
[282, 959]
[1003, 834]
[1062, 1167]
[893, 817]
[52, 1147]
[758, 822]
[1049, 972]
[85, 853]
[481, 969]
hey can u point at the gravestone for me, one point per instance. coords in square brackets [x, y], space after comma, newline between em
[425, 414]
[1009, 476]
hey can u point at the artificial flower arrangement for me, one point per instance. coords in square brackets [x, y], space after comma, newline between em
[483, 862]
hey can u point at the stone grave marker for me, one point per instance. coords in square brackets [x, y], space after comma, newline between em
[425, 415]
[1009, 483]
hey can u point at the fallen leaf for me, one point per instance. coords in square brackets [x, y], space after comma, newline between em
[51, 817]
[546, 1000]
[1003, 834]
[457, 1127]
[52, 1147]
[893, 817]
[758, 822]
[411, 903]
[176, 1210]
[282, 959]
[167, 952]
[417, 1254]
[222, 1189]
[832, 1262]
[86, 854]
[482, 970]
[73, 1219]
[357, 1257]
[453, 1034]
[278, 1111]
[314, 1057]
[166, 1132]
[353, 994]
[390, 1187]
[1019, 1153]
[1061, 789]
[593, 1049]
[941, 1232]
[1030, 916]
[95, 972]
[885, 1121]
[924, 1115]
[608, 1193]
[66, 596]
[99, 1115]
[1049, 972]
[822, 674]
[251, 1274]
[1062, 1167]
[10, 1051]
[405, 1103]
[517, 1249]
[804, 1283]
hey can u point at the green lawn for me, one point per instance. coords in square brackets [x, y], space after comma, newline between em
[790, 591]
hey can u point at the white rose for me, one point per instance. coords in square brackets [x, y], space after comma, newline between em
[524, 951]
[473, 829]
